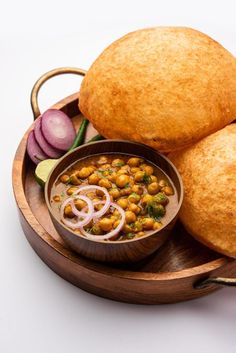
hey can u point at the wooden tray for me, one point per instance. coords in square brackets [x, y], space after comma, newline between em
[182, 269]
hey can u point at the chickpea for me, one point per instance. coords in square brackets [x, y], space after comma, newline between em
[139, 176]
[161, 198]
[162, 183]
[91, 195]
[137, 189]
[134, 208]
[68, 211]
[127, 229]
[114, 193]
[122, 180]
[147, 199]
[113, 218]
[125, 167]
[74, 180]
[76, 172]
[71, 190]
[84, 173]
[148, 170]
[125, 191]
[134, 170]
[122, 171]
[98, 207]
[93, 179]
[153, 188]
[138, 226]
[92, 168]
[140, 234]
[157, 225]
[147, 223]
[130, 217]
[99, 193]
[153, 179]
[131, 181]
[134, 162]
[116, 213]
[112, 177]
[96, 230]
[106, 224]
[159, 210]
[142, 166]
[56, 198]
[134, 198]
[117, 162]
[65, 178]
[168, 190]
[116, 223]
[106, 166]
[102, 160]
[123, 203]
[79, 204]
[105, 183]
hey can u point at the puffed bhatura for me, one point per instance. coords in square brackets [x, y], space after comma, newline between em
[166, 87]
[208, 169]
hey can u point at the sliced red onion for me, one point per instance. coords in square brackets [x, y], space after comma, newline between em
[35, 152]
[86, 220]
[58, 129]
[111, 233]
[107, 203]
[46, 147]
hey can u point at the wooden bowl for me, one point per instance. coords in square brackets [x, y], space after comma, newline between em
[115, 251]
[182, 269]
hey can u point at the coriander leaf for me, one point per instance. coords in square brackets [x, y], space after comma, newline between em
[119, 164]
[130, 236]
[146, 179]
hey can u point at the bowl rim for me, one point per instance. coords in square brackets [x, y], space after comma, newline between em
[108, 141]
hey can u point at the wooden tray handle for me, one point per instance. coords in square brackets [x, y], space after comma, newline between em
[44, 78]
[229, 282]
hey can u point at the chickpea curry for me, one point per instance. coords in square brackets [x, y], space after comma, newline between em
[113, 197]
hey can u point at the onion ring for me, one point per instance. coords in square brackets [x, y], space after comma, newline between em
[111, 233]
[87, 218]
[107, 203]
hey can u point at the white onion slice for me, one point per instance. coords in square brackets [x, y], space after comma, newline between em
[87, 218]
[107, 203]
[111, 233]
[74, 209]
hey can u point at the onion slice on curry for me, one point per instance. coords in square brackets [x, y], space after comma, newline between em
[88, 188]
[113, 232]
[85, 217]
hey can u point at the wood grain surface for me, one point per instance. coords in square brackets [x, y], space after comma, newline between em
[167, 276]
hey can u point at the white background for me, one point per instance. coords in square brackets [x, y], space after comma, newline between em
[39, 311]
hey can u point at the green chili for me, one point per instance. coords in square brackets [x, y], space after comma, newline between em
[79, 139]
[96, 138]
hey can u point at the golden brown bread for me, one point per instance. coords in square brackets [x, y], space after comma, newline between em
[166, 87]
[208, 169]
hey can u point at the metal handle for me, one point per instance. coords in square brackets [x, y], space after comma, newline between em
[228, 282]
[44, 78]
